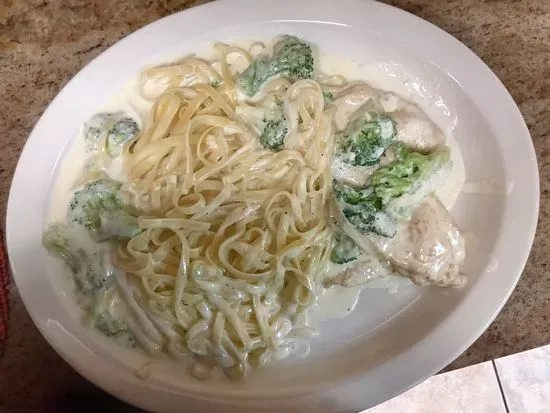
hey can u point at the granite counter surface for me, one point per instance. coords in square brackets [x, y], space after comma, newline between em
[43, 43]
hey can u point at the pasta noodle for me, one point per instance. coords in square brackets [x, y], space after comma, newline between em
[235, 238]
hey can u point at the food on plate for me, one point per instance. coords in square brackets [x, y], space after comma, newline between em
[208, 228]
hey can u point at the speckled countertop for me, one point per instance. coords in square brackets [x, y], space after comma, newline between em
[43, 43]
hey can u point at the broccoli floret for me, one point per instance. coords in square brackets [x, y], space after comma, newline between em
[350, 195]
[99, 208]
[252, 79]
[292, 58]
[408, 172]
[90, 267]
[274, 134]
[114, 326]
[366, 139]
[368, 217]
[94, 127]
[344, 249]
[273, 127]
[110, 325]
[268, 121]
[121, 132]
[118, 132]
[328, 97]
[56, 241]
[391, 189]
[364, 210]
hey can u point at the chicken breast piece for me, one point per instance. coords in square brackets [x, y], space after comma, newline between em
[351, 98]
[414, 128]
[429, 249]
[416, 131]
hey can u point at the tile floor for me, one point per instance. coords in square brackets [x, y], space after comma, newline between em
[519, 383]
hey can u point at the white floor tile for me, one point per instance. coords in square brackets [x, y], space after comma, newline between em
[472, 389]
[525, 379]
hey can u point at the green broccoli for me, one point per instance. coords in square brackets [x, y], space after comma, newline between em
[409, 171]
[292, 58]
[99, 208]
[369, 217]
[366, 139]
[93, 274]
[118, 132]
[328, 97]
[364, 210]
[121, 132]
[86, 264]
[344, 249]
[94, 127]
[268, 121]
[273, 134]
[110, 325]
[350, 195]
[392, 189]
[273, 128]
[56, 241]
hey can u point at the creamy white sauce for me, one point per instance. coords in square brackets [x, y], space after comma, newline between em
[493, 265]
[335, 302]
[449, 192]
[487, 187]
[471, 240]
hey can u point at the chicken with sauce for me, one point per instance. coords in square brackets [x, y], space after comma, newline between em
[414, 128]
[429, 249]
[390, 160]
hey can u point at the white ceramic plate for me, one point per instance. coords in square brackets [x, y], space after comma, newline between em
[390, 342]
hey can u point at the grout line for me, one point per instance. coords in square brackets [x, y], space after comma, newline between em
[500, 387]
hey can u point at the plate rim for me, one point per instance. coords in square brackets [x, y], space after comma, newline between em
[411, 378]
